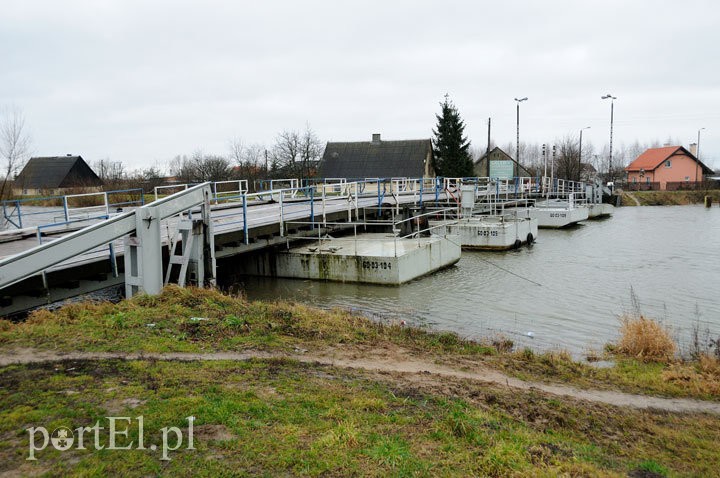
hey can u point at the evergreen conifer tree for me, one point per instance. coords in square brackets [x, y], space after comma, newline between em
[451, 156]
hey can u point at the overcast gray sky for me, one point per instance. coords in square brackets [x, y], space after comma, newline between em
[143, 81]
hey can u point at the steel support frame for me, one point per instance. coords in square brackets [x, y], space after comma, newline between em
[143, 224]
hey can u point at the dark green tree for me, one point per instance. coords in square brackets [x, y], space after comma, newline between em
[451, 157]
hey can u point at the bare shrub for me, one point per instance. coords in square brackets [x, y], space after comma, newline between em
[645, 339]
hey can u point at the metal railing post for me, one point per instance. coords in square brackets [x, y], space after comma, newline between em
[378, 194]
[65, 208]
[356, 200]
[245, 220]
[19, 210]
[113, 261]
[312, 205]
[323, 205]
[282, 225]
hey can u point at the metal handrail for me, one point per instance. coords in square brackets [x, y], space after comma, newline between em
[44, 256]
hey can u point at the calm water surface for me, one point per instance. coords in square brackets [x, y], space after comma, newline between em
[565, 291]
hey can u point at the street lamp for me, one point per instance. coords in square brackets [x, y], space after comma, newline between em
[612, 104]
[580, 154]
[697, 156]
[517, 147]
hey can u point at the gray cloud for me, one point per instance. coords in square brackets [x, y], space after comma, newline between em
[143, 81]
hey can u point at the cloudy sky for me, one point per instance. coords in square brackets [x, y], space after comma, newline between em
[143, 81]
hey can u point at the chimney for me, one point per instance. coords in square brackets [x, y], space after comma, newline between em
[693, 149]
[376, 138]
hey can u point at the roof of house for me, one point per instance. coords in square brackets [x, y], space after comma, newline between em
[375, 159]
[654, 157]
[57, 172]
[589, 168]
[503, 154]
[495, 149]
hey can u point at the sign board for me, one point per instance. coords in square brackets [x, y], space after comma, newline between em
[502, 169]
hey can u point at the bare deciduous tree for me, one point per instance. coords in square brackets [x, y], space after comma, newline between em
[182, 168]
[295, 153]
[286, 152]
[567, 158]
[112, 173]
[210, 167]
[250, 160]
[311, 152]
[14, 144]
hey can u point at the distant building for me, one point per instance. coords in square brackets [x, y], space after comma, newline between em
[377, 159]
[588, 172]
[669, 167]
[496, 163]
[55, 175]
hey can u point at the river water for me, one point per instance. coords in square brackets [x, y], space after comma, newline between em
[566, 291]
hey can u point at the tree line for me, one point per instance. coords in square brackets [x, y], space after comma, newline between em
[296, 154]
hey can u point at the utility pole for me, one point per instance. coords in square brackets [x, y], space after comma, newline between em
[517, 147]
[552, 171]
[580, 154]
[544, 154]
[612, 106]
[488, 143]
[697, 164]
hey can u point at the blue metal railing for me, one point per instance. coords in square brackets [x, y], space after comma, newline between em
[18, 212]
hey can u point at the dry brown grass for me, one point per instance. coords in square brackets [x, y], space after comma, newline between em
[645, 339]
[709, 365]
[701, 377]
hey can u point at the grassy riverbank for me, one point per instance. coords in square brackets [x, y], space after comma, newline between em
[273, 415]
[668, 198]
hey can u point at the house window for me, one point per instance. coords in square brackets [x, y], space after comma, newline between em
[668, 164]
[634, 179]
[687, 179]
[647, 180]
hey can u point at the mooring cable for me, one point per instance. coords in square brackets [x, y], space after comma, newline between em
[511, 272]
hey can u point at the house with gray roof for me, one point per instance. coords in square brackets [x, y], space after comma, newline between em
[377, 159]
[56, 175]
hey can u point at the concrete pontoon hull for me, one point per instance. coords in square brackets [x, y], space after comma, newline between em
[600, 210]
[492, 232]
[557, 217]
[372, 259]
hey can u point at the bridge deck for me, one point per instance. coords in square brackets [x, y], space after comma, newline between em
[226, 218]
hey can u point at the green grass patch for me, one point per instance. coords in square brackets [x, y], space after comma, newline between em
[198, 320]
[280, 417]
[670, 198]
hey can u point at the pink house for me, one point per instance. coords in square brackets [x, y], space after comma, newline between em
[666, 168]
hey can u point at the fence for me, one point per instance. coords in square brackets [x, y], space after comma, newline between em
[642, 186]
[691, 186]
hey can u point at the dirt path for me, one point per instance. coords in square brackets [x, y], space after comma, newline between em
[394, 360]
[632, 196]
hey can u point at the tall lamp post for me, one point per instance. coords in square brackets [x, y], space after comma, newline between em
[612, 105]
[517, 144]
[697, 156]
[580, 154]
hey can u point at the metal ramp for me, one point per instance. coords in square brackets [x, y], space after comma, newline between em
[143, 243]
